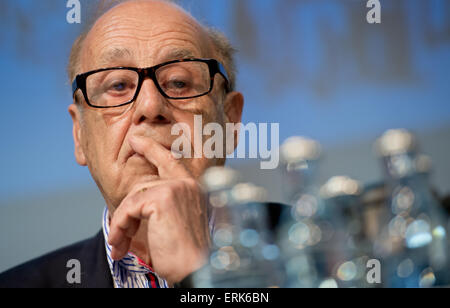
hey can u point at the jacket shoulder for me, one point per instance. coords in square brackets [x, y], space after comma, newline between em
[50, 270]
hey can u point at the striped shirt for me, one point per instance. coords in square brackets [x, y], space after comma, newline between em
[130, 272]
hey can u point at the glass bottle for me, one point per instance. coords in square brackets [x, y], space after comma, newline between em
[243, 254]
[348, 253]
[299, 230]
[412, 242]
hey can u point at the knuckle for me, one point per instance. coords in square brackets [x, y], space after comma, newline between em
[147, 208]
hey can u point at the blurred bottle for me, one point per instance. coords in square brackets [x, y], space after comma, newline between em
[322, 239]
[309, 234]
[412, 240]
[349, 250]
[243, 254]
[299, 157]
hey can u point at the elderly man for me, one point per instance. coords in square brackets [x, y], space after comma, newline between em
[143, 67]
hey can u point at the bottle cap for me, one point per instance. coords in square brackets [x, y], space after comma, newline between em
[297, 149]
[217, 178]
[340, 186]
[248, 192]
[394, 142]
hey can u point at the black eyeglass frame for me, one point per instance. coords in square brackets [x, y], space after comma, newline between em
[215, 67]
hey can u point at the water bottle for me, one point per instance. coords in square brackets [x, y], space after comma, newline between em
[349, 251]
[243, 254]
[300, 230]
[412, 241]
[322, 238]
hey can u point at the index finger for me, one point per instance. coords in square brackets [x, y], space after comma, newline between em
[168, 166]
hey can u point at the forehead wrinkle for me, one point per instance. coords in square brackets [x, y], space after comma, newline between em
[115, 26]
[145, 14]
[148, 26]
[184, 43]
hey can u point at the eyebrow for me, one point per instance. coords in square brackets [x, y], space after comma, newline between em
[121, 54]
[176, 54]
[114, 55]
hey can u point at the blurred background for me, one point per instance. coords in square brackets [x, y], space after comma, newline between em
[316, 67]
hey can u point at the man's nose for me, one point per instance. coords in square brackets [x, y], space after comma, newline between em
[151, 106]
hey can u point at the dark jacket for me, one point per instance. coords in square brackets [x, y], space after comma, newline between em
[50, 271]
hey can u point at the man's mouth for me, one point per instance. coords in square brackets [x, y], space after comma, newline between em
[140, 165]
[133, 154]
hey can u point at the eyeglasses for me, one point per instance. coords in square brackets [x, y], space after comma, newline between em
[175, 80]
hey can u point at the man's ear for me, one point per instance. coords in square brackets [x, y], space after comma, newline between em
[77, 135]
[233, 107]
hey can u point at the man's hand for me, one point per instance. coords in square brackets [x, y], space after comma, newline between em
[175, 212]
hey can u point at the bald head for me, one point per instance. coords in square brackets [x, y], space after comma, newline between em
[147, 25]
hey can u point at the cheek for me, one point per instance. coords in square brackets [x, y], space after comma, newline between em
[197, 166]
[105, 138]
[197, 122]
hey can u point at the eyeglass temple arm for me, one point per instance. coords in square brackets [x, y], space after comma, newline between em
[74, 86]
[223, 72]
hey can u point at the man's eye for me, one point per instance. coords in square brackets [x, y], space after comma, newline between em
[177, 84]
[118, 86]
